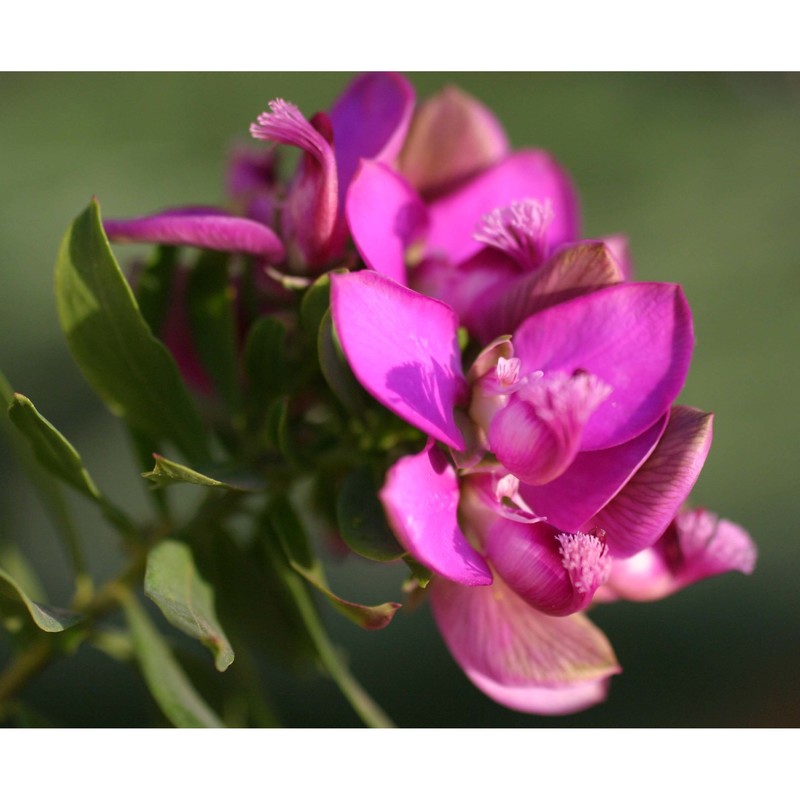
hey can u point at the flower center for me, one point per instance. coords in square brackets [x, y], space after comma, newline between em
[520, 230]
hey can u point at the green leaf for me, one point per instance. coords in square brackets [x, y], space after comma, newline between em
[112, 344]
[154, 286]
[277, 428]
[265, 360]
[302, 560]
[50, 447]
[336, 370]
[165, 679]
[46, 617]
[166, 473]
[209, 297]
[315, 303]
[362, 522]
[173, 583]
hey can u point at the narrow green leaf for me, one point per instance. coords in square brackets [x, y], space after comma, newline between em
[47, 618]
[336, 370]
[277, 427]
[362, 522]
[112, 344]
[209, 297]
[173, 583]
[165, 679]
[265, 360]
[166, 473]
[302, 560]
[154, 286]
[50, 447]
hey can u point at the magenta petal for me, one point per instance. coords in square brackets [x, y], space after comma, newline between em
[527, 175]
[421, 497]
[641, 512]
[637, 338]
[199, 227]
[403, 348]
[518, 656]
[593, 478]
[385, 216]
[370, 120]
[453, 136]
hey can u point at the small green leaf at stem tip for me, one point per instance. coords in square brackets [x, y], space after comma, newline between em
[167, 682]
[173, 583]
[50, 447]
[112, 344]
[167, 473]
[46, 617]
[302, 559]
[362, 522]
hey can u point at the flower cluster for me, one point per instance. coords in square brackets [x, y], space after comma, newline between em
[544, 377]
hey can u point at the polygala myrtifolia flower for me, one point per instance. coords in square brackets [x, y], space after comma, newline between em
[557, 463]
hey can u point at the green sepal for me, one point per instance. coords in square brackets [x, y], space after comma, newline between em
[166, 680]
[167, 473]
[14, 600]
[362, 521]
[302, 559]
[315, 303]
[336, 370]
[173, 583]
[112, 344]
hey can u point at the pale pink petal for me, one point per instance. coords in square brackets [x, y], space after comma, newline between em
[536, 436]
[555, 572]
[637, 338]
[697, 545]
[385, 216]
[643, 509]
[574, 270]
[520, 657]
[453, 136]
[208, 228]
[620, 252]
[591, 480]
[527, 175]
[370, 120]
[312, 205]
[403, 348]
[421, 497]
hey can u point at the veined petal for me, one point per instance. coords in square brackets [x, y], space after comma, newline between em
[643, 509]
[421, 497]
[697, 545]
[518, 656]
[574, 270]
[527, 175]
[385, 216]
[199, 227]
[591, 480]
[312, 205]
[555, 572]
[538, 433]
[453, 136]
[370, 120]
[403, 348]
[637, 338]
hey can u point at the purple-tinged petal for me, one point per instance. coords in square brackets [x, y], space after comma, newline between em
[488, 495]
[555, 572]
[620, 252]
[593, 478]
[250, 172]
[519, 230]
[453, 136]
[637, 338]
[385, 216]
[643, 509]
[370, 120]
[420, 497]
[522, 658]
[697, 545]
[573, 271]
[199, 227]
[527, 175]
[403, 348]
[538, 433]
[312, 205]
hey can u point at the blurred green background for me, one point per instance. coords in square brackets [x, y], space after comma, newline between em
[702, 172]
